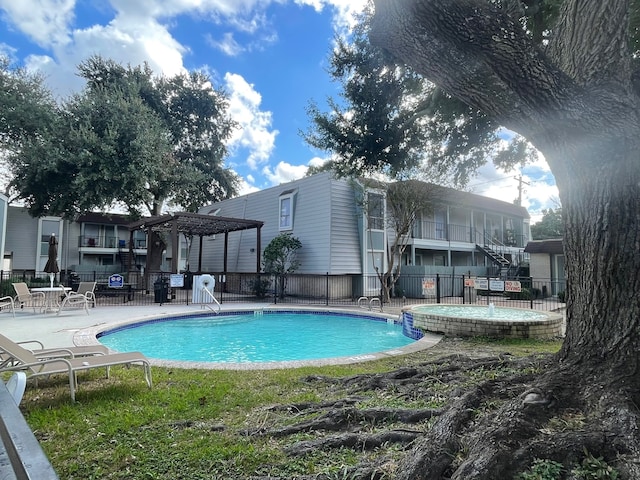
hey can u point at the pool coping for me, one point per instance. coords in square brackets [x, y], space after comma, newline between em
[89, 336]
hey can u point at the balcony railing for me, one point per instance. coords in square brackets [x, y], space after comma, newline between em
[462, 233]
[91, 241]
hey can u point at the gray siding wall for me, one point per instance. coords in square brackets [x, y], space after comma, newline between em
[22, 232]
[323, 220]
[346, 247]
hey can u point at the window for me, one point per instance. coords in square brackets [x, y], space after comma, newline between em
[375, 211]
[286, 210]
[47, 227]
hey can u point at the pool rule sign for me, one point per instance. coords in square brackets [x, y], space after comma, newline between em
[497, 285]
[512, 286]
[116, 281]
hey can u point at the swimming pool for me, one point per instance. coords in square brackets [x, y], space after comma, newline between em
[262, 337]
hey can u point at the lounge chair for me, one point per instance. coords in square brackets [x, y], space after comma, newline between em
[16, 385]
[33, 366]
[41, 352]
[80, 298]
[7, 303]
[88, 290]
[25, 297]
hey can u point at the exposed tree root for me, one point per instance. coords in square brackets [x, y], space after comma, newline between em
[483, 419]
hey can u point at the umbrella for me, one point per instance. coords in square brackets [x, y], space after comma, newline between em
[52, 262]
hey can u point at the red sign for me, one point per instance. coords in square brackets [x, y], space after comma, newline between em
[512, 286]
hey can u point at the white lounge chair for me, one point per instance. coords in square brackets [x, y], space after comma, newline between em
[88, 290]
[25, 297]
[16, 385]
[80, 298]
[39, 350]
[7, 303]
[24, 360]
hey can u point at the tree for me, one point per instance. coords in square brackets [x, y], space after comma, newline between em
[280, 258]
[26, 108]
[566, 80]
[404, 201]
[550, 226]
[389, 119]
[129, 138]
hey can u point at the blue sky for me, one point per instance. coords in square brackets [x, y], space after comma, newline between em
[269, 55]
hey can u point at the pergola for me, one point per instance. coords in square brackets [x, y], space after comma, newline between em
[196, 225]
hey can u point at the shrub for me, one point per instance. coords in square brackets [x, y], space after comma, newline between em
[542, 470]
[524, 294]
[561, 296]
[594, 468]
[260, 286]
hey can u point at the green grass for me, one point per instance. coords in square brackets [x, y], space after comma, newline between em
[195, 424]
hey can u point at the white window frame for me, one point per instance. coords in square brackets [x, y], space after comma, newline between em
[285, 222]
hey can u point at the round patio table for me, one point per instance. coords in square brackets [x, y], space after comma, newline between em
[51, 297]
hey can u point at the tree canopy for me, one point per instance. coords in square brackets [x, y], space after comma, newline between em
[550, 226]
[390, 119]
[128, 138]
[27, 108]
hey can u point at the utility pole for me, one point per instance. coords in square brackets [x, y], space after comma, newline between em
[520, 184]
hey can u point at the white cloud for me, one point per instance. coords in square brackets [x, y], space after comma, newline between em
[284, 172]
[46, 22]
[227, 44]
[246, 187]
[255, 133]
[538, 188]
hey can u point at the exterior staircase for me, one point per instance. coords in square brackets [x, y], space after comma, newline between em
[127, 259]
[505, 269]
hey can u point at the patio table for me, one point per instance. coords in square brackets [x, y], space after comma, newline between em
[51, 297]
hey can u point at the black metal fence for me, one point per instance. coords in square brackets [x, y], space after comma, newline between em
[303, 289]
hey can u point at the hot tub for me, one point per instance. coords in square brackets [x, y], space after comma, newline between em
[484, 320]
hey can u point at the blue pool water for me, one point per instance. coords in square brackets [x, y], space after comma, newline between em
[261, 337]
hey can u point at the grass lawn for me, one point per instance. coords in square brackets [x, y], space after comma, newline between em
[197, 424]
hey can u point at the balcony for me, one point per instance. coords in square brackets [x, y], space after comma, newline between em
[462, 233]
[91, 241]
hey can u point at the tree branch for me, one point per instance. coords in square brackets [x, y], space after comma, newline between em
[476, 51]
[588, 43]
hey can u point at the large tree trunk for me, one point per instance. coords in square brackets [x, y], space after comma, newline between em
[585, 124]
[576, 102]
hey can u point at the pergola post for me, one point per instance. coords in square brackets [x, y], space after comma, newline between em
[200, 254]
[175, 245]
[258, 247]
[226, 249]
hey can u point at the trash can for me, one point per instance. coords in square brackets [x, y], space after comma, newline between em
[161, 290]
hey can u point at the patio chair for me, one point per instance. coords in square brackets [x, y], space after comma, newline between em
[88, 290]
[16, 385]
[41, 352]
[25, 297]
[80, 298]
[25, 361]
[7, 303]
[57, 352]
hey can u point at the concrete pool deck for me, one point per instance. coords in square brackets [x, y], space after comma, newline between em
[75, 327]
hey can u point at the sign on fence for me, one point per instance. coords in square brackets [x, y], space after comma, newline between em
[496, 285]
[116, 281]
[470, 282]
[428, 286]
[512, 286]
[482, 284]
